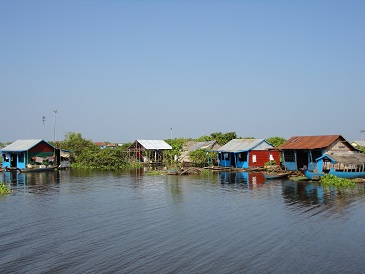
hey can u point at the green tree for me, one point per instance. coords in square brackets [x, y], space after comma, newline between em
[276, 141]
[223, 138]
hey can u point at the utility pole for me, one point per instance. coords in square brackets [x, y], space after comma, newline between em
[54, 138]
[54, 128]
[44, 127]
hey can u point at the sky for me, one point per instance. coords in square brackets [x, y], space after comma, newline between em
[118, 71]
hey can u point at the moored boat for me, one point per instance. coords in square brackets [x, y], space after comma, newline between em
[348, 166]
[280, 175]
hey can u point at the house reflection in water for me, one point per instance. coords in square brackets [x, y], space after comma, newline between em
[251, 179]
[308, 194]
[41, 180]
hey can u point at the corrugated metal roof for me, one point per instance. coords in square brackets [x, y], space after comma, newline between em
[201, 145]
[310, 142]
[154, 144]
[237, 145]
[21, 145]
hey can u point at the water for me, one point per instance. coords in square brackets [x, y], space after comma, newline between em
[103, 222]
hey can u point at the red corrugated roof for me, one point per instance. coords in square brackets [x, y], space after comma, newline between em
[310, 142]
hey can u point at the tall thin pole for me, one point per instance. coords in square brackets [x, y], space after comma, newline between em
[54, 138]
[54, 128]
[44, 127]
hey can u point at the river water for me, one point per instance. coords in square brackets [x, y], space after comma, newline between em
[130, 222]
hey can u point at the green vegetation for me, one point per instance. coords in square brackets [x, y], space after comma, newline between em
[201, 157]
[221, 138]
[332, 180]
[85, 154]
[270, 163]
[276, 141]
[4, 189]
[362, 149]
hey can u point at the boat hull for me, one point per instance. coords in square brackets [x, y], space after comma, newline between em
[347, 175]
[269, 176]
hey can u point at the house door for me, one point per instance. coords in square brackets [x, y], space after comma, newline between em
[302, 158]
[13, 160]
[233, 159]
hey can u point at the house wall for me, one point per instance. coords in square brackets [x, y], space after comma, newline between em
[18, 159]
[255, 158]
[339, 147]
[21, 159]
[258, 158]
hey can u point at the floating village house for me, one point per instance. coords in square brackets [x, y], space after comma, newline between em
[184, 158]
[23, 154]
[247, 153]
[320, 153]
[148, 151]
[103, 145]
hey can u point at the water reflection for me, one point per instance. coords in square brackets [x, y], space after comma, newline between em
[309, 194]
[33, 182]
[248, 179]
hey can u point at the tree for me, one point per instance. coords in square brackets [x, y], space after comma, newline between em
[201, 157]
[223, 138]
[276, 141]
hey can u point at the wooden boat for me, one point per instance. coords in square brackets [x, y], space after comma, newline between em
[280, 175]
[172, 172]
[348, 166]
[312, 175]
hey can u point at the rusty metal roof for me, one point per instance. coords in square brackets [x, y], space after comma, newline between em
[310, 142]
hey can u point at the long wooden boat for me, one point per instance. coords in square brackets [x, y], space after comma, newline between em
[349, 166]
[341, 174]
[280, 175]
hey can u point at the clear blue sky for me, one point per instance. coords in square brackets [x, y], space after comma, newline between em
[124, 70]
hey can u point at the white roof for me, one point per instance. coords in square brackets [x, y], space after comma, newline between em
[237, 145]
[154, 144]
[360, 143]
[22, 145]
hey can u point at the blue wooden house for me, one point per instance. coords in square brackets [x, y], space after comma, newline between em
[246, 153]
[25, 153]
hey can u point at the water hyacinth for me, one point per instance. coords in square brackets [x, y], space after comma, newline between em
[332, 180]
[4, 189]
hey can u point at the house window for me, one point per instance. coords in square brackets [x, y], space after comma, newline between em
[253, 158]
[289, 156]
[6, 159]
[21, 158]
[242, 157]
[316, 154]
[225, 156]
